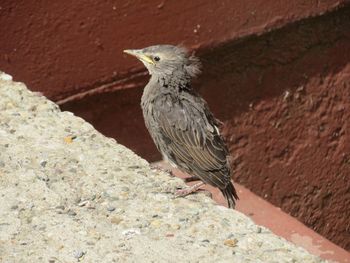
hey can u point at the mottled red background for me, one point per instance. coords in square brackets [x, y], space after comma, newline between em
[276, 72]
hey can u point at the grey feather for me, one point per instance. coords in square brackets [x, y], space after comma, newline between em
[179, 120]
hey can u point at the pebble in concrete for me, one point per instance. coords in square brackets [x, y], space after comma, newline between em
[70, 194]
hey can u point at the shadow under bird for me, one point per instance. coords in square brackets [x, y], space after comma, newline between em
[179, 120]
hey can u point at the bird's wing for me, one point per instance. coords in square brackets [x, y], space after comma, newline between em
[192, 137]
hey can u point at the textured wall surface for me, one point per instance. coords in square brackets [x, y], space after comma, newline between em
[65, 47]
[284, 95]
[285, 98]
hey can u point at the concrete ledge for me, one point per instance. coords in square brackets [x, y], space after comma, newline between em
[70, 194]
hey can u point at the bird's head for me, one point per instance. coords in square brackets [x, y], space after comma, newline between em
[163, 60]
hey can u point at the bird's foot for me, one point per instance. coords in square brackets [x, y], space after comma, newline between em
[159, 168]
[188, 190]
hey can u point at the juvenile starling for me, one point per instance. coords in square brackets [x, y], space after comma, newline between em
[179, 120]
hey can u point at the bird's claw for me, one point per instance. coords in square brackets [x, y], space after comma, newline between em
[188, 190]
[161, 169]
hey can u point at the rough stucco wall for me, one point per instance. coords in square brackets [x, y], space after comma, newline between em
[285, 99]
[64, 47]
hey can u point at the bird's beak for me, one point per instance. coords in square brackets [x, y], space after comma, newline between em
[138, 53]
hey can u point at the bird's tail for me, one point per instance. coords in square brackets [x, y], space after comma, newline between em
[230, 194]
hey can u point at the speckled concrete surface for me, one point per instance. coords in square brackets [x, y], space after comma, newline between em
[69, 194]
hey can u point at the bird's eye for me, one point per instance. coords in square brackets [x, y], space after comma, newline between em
[156, 58]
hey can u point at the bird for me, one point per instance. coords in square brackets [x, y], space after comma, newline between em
[179, 120]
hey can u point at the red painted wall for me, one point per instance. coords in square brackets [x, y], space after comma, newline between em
[64, 47]
[284, 95]
[285, 99]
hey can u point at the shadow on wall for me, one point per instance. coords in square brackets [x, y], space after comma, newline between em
[118, 115]
[284, 97]
[262, 67]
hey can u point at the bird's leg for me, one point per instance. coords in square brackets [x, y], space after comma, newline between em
[188, 190]
[191, 179]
